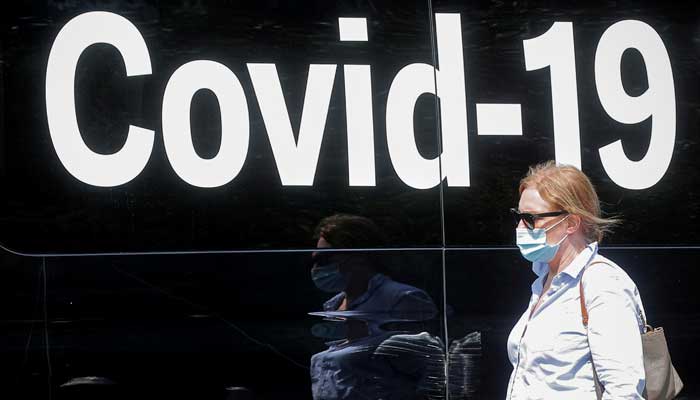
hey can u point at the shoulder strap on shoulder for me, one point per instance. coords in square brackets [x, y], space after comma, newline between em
[599, 389]
[584, 312]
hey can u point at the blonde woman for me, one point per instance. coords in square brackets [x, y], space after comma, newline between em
[554, 355]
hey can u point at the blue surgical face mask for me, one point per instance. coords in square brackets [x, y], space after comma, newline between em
[329, 278]
[533, 243]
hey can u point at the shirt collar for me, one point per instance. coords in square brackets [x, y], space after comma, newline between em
[376, 281]
[582, 259]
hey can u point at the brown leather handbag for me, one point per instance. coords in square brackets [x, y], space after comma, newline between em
[662, 380]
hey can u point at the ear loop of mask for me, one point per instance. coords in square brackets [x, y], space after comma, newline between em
[560, 221]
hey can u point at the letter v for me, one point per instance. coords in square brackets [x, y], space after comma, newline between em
[296, 161]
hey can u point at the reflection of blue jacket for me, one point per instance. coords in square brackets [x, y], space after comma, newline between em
[350, 370]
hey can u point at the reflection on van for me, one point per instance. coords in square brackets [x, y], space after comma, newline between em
[368, 308]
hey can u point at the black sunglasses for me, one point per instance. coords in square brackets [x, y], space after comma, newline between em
[529, 218]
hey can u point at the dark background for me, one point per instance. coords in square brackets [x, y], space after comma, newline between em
[47, 210]
[492, 37]
[190, 325]
[50, 211]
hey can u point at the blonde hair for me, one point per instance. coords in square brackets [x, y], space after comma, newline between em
[569, 189]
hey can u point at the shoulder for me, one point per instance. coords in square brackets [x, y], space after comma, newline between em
[605, 276]
[602, 268]
[401, 290]
[407, 297]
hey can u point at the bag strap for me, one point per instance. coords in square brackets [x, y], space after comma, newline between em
[584, 311]
[584, 316]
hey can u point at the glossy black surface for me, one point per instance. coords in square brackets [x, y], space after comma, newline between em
[193, 326]
[48, 210]
[236, 325]
[493, 34]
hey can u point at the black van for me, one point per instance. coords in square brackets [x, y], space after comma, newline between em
[168, 169]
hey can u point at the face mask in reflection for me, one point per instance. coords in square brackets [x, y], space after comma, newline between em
[329, 278]
[533, 243]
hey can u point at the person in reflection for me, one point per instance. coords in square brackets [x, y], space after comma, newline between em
[366, 301]
[555, 352]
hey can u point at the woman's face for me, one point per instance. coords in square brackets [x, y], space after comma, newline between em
[532, 202]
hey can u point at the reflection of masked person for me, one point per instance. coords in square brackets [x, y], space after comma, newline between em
[366, 301]
[327, 277]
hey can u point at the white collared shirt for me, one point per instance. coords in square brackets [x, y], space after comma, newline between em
[550, 352]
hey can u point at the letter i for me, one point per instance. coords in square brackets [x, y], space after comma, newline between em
[358, 108]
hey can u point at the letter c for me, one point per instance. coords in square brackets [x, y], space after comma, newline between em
[106, 170]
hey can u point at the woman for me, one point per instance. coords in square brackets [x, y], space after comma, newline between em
[554, 355]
